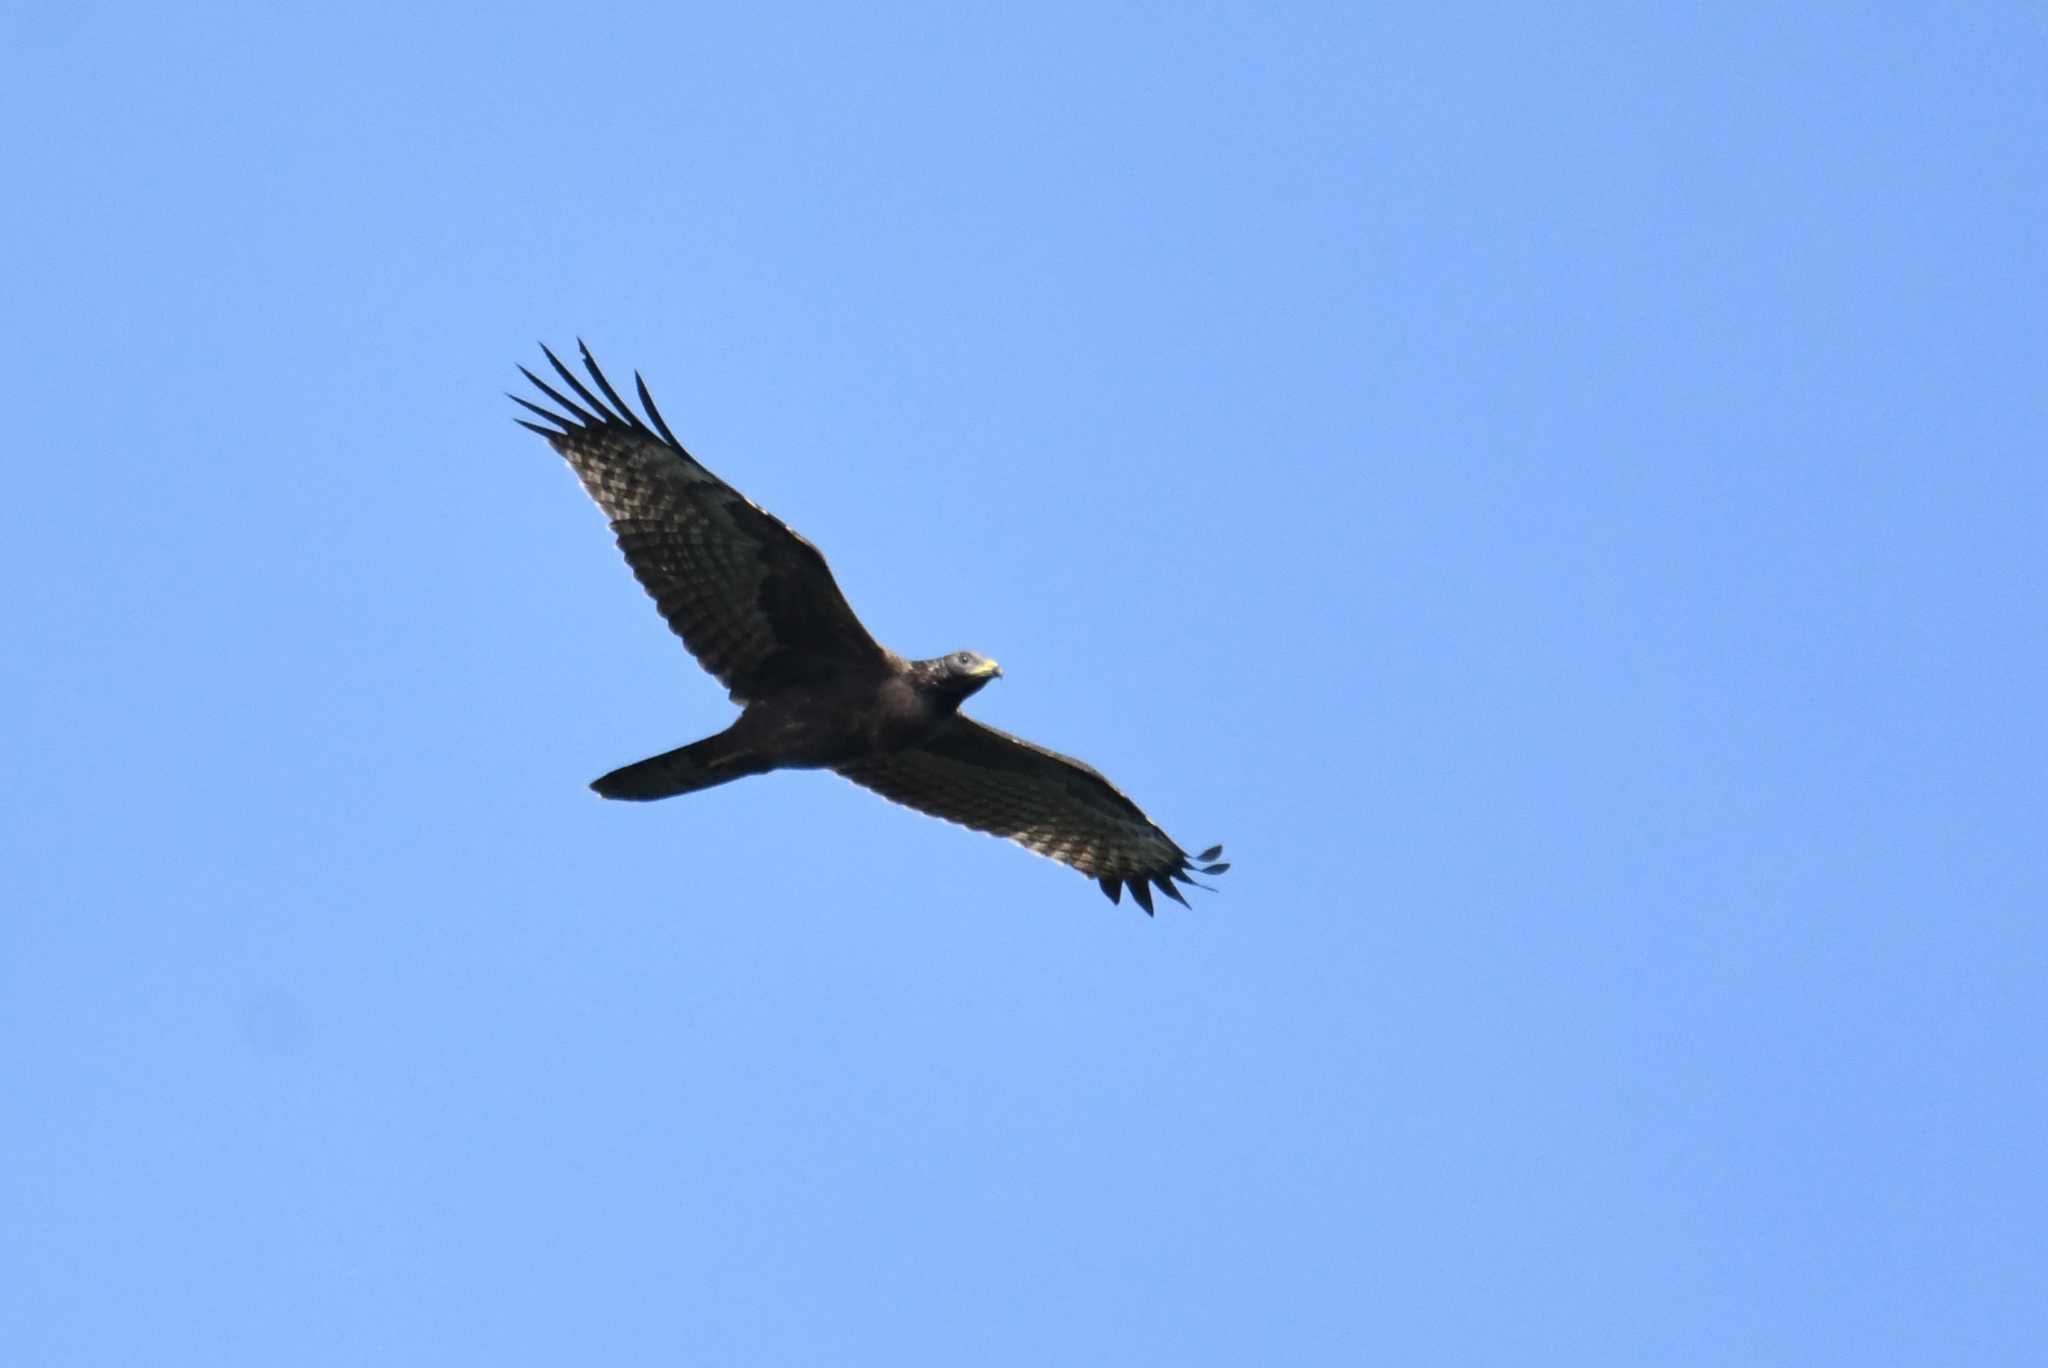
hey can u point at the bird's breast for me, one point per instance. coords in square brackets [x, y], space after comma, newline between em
[902, 715]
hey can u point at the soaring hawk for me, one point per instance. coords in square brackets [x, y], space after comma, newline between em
[758, 608]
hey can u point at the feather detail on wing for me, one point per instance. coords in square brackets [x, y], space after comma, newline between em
[1046, 802]
[754, 602]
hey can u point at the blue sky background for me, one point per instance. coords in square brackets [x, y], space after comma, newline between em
[1559, 491]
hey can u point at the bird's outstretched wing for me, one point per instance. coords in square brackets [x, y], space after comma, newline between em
[1046, 802]
[754, 602]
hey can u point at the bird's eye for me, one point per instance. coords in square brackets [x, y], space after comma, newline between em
[962, 658]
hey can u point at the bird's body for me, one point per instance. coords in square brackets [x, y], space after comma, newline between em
[814, 726]
[757, 605]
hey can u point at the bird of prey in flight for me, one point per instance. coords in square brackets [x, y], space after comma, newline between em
[756, 605]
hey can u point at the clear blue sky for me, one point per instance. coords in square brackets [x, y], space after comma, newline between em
[1559, 491]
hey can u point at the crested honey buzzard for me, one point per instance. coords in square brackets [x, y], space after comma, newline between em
[757, 606]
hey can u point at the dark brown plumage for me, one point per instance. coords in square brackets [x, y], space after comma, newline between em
[757, 606]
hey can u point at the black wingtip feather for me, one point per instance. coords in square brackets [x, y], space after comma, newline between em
[581, 389]
[1165, 881]
[610, 411]
[557, 419]
[626, 409]
[589, 419]
[647, 402]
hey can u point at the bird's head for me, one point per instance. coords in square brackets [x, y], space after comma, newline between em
[963, 672]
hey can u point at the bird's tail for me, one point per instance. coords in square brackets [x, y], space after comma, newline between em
[700, 765]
